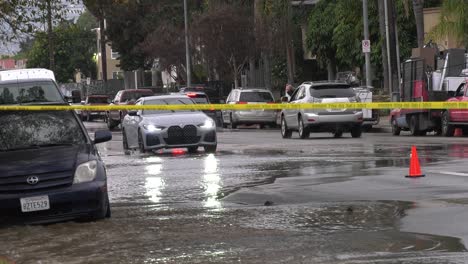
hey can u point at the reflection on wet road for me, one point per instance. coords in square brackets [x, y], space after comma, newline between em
[331, 201]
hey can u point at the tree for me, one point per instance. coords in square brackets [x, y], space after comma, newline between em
[224, 34]
[322, 22]
[453, 21]
[74, 51]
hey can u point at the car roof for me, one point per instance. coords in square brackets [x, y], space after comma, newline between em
[26, 80]
[137, 90]
[253, 90]
[26, 74]
[326, 83]
[169, 96]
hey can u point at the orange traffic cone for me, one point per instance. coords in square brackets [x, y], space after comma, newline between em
[415, 169]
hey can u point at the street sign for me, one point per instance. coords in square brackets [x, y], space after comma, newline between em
[366, 46]
[88, 81]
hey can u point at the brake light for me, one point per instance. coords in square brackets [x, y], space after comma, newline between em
[241, 103]
[192, 95]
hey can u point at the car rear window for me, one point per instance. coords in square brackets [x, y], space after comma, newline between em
[98, 100]
[134, 96]
[199, 98]
[262, 97]
[332, 92]
[29, 92]
[21, 129]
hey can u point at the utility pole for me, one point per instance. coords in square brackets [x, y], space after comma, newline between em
[387, 33]
[366, 37]
[187, 49]
[102, 35]
[50, 35]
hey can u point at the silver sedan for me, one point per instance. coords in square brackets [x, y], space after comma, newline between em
[156, 129]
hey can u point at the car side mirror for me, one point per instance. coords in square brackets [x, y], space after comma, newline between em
[102, 136]
[284, 99]
[133, 113]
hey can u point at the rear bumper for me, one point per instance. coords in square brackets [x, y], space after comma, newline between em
[311, 119]
[77, 201]
[252, 117]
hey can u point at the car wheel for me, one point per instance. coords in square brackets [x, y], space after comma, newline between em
[103, 212]
[338, 134]
[447, 129]
[192, 149]
[303, 131]
[356, 131]
[232, 124]
[210, 148]
[395, 128]
[125, 143]
[414, 125]
[285, 132]
[141, 144]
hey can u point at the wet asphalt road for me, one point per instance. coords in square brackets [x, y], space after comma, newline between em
[262, 199]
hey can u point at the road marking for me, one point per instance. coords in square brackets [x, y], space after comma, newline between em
[451, 173]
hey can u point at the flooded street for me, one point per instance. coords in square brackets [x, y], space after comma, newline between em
[263, 199]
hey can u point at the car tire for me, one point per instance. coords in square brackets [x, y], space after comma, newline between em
[338, 134]
[285, 132]
[356, 131]
[125, 143]
[103, 212]
[303, 130]
[447, 129]
[231, 123]
[414, 125]
[210, 148]
[395, 128]
[141, 145]
[192, 149]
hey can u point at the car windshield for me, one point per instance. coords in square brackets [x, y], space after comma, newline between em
[29, 92]
[133, 96]
[263, 97]
[98, 100]
[25, 129]
[167, 101]
[332, 92]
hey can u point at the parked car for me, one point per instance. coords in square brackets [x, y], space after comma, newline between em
[157, 129]
[335, 121]
[29, 86]
[234, 118]
[94, 100]
[50, 168]
[200, 97]
[124, 97]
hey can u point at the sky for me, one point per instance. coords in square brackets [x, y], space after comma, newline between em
[13, 47]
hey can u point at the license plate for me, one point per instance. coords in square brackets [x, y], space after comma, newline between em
[32, 204]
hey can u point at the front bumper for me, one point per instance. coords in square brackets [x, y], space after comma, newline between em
[69, 203]
[160, 140]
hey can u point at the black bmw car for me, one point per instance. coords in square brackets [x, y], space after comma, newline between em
[50, 169]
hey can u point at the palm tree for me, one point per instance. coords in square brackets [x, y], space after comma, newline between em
[453, 21]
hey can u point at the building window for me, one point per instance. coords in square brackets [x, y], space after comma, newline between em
[114, 55]
[117, 75]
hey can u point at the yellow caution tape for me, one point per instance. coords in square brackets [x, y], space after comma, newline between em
[380, 105]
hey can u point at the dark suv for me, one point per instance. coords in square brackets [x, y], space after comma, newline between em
[50, 169]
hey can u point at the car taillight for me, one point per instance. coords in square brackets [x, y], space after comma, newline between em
[241, 103]
[192, 95]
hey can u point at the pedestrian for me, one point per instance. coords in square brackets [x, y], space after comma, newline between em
[289, 91]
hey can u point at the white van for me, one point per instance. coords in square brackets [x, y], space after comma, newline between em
[29, 86]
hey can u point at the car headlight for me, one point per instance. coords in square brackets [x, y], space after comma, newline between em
[153, 128]
[209, 123]
[85, 172]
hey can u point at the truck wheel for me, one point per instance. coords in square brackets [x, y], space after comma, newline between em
[395, 128]
[414, 125]
[447, 129]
